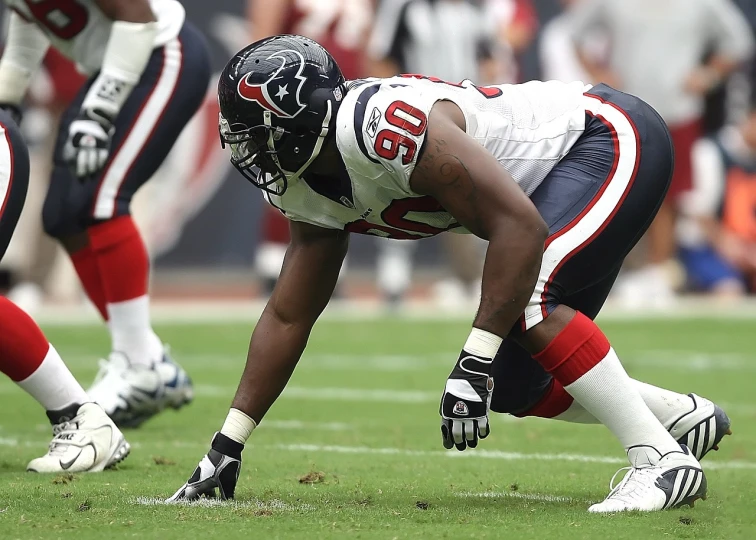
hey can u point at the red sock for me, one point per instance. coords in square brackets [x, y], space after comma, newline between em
[23, 346]
[85, 263]
[122, 260]
[554, 402]
[574, 351]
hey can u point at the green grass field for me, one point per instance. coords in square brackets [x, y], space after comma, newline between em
[352, 449]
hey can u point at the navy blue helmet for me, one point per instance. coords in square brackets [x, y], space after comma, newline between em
[278, 101]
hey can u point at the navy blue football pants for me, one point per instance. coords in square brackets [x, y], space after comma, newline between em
[597, 201]
[170, 91]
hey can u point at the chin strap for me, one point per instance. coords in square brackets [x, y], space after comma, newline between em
[319, 143]
[275, 133]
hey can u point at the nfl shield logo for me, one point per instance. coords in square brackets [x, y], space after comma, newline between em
[460, 408]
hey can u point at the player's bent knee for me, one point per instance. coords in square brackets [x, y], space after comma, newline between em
[518, 402]
[59, 220]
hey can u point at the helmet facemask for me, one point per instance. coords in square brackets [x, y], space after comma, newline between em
[255, 151]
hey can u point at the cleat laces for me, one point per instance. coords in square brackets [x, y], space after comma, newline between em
[635, 485]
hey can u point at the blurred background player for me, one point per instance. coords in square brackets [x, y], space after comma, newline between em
[339, 25]
[85, 439]
[557, 52]
[453, 40]
[657, 52]
[37, 265]
[148, 74]
[717, 230]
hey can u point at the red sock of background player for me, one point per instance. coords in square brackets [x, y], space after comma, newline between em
[85, 263]
[556, 403]
[32, 363]
[582, 360]
[124, 270]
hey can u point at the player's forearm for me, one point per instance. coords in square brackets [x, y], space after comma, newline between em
[126, 56]
[25, 48]
[508, 284]
[721, 66]
[274, 351]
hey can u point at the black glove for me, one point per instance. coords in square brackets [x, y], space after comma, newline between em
[465, 403]
[88, 145]
[14, 111]
[219, 469]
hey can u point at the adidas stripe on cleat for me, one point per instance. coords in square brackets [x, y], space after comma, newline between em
[701, 429]
[676, 480]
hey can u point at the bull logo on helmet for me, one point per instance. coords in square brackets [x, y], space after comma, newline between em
[278, 97]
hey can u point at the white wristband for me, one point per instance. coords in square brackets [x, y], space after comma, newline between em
[238, 426]
[482, 343]
[126, 56]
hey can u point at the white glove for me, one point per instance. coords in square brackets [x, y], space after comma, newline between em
[88, 145]
[465, 402]
[217, 473]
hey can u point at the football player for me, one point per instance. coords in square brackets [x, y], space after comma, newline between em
[85, 439]
[148, 73]
[561, 179]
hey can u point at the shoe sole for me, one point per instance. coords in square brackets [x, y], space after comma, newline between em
[120, 452]
[691, 501]
[130, 421]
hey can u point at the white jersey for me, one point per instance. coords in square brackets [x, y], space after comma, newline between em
[381, 130]
[80, 31]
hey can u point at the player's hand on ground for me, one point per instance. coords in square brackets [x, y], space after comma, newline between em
[88, 145]
[465, 402]
[215, 476]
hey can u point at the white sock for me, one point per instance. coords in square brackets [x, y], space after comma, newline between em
[131, 332]
[666, 405]
[608, 393]
[52, 385]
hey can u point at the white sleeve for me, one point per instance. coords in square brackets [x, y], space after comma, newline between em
[557, 51]
[708, 181]
[386, 29]
[25, 48]
[585, 17]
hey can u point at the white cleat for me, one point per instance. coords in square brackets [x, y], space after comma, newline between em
[676, 480]
[701, 429]
[88, 442]
[131, 394]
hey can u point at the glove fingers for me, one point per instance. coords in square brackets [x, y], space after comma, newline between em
[446, 436]
[484, 428]
[472, 434]
[92, 162]
[458, 432]
[81, 163]
[102, 159]
[179, 495]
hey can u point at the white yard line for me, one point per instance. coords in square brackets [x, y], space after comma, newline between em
[304, 425]
[220, 312]
[499, 455]
[333, 394]
[540, 497]
[272, 505]
[487, 454]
